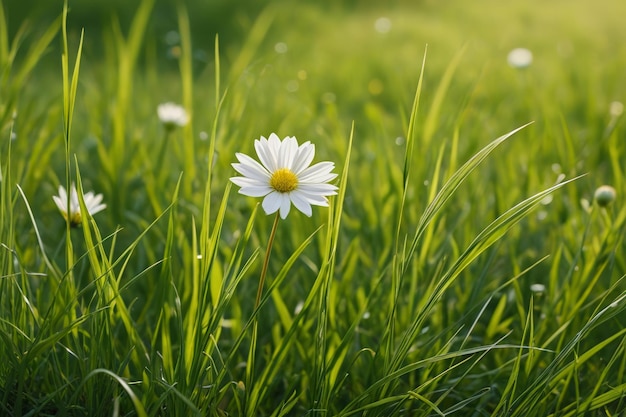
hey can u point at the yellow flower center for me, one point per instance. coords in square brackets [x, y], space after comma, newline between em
[283, 180]
[75, 218]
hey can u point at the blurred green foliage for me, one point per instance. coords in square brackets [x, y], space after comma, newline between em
[231, 19]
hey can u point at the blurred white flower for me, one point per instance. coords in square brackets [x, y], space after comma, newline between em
[520, 58]
[616, 108]
[382, 25]
[172, 115]
[284, 176]
[539, 288]
[93, 203]
[604, 195]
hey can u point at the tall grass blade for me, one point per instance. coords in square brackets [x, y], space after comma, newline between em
[186, 76]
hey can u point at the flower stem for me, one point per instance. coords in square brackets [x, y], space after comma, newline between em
[266, 262]
[249, 406]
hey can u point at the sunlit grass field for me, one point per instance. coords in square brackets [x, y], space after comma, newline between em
[464, 267]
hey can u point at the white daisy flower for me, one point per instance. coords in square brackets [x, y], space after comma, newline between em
[520, 58]
[284, 176]
[604, 195]
[93, 202]
[538, 288]
[172, 115]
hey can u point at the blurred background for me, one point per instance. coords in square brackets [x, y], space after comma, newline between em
[314, 67]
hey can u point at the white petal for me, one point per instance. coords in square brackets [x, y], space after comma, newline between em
[251, 187]
[301, 203]
[265, 154]
[250, 172]
[318, 189]
[92, 200]
[255, 190]
[97, 199]
[315, 199]
[73, 192]
[285, 205]
[322, 202]
[95, 209]
[60, 203]
[74, 205]
[246, 182]
[271, 202]
[318, 179]
[274, 140]
[249, 167]
[272, 148]
[62, 193]
[319, 170]
[303, 157]
[288, 149]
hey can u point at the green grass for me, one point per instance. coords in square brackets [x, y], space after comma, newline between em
[463, 185]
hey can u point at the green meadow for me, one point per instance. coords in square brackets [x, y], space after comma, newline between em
[467, 266]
